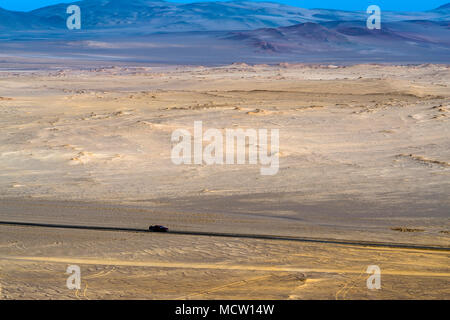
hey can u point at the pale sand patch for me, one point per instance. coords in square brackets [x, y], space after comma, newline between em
[186, 265]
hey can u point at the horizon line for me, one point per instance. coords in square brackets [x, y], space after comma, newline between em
[225, 1]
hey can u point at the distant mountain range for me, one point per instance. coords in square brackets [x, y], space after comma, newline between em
[223, 32]
[445, 6]
[348, 35]
[202, 16]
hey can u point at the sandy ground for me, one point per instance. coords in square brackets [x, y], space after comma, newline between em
[364, 154]
[154, 266]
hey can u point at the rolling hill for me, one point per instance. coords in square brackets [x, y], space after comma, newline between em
[224, 32]
[202, 16]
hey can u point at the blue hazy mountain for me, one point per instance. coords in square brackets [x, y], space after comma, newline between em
[202, 16]
[224, 32]
[444, 7]
[163, 16]
[346, 36]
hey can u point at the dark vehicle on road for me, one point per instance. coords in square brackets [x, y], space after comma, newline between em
[158, 229]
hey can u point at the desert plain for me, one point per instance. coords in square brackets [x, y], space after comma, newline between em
[364, 156]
